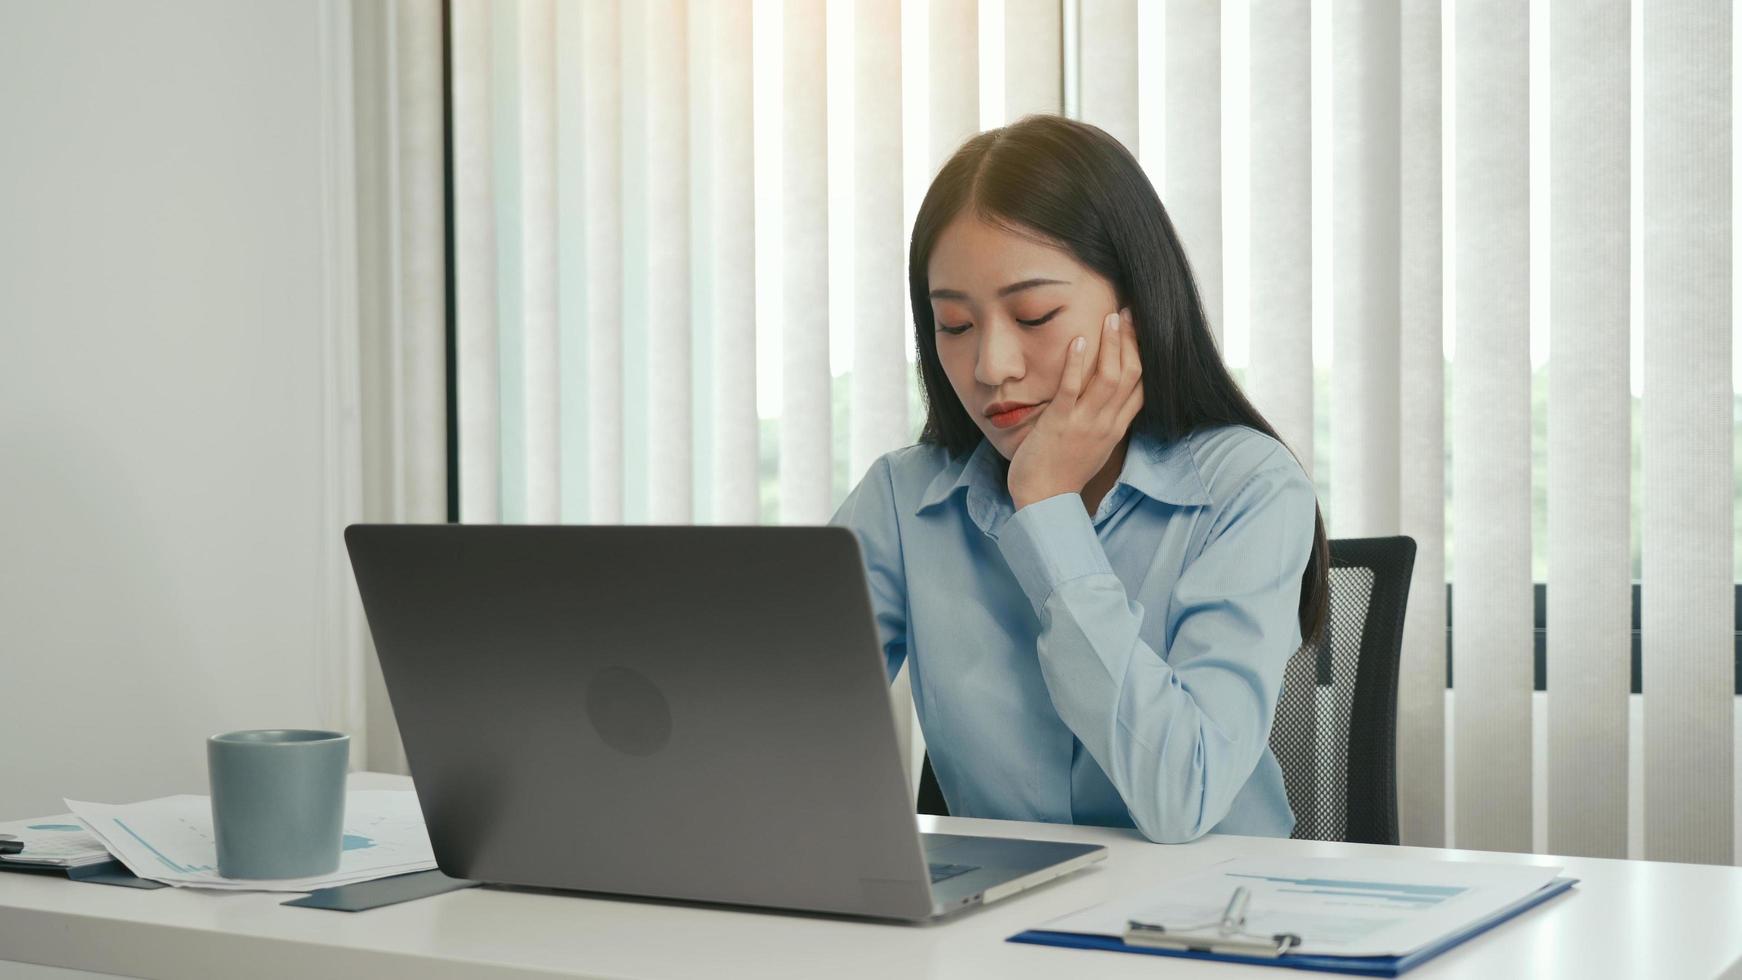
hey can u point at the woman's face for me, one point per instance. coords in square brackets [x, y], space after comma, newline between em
[1006, 308]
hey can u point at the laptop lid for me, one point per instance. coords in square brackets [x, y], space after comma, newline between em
[698, 713]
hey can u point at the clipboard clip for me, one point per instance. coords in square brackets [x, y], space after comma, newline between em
[1228, 935]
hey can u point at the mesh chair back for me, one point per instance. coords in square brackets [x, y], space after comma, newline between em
[1335, 733]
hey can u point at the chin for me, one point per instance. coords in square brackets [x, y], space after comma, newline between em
[1006, 444]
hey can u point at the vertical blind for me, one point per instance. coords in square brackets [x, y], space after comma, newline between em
[1421, 478]
[1490, 287]
[1588, 446]
[1686, 581]
[681, 297]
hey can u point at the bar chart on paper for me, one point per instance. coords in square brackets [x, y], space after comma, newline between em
[1374, 894]
[187, 833]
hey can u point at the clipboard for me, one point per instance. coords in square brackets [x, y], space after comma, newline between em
[1202, 944]
[1228, 935]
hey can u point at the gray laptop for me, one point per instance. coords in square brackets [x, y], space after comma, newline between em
[694, 713]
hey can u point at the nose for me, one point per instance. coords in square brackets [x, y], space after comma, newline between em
[1000, 356]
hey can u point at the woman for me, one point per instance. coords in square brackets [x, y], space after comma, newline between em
[1098, 558]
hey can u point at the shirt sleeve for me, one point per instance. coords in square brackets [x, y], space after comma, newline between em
[869, 512]
[1178, 731]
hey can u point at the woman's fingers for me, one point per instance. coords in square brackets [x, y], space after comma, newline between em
[1106, 381]
[1102, 384]
[1132, 364]
[1076, 365]
[1125, 376]
[1128, 410]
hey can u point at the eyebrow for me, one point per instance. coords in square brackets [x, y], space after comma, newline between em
[1015, 287]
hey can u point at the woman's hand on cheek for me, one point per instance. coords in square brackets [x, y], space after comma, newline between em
[1076, 434]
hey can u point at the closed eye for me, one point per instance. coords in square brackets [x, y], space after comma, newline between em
[1036, 323]
[962, 329]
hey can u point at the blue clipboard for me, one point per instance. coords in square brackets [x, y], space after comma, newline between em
[1362, 966]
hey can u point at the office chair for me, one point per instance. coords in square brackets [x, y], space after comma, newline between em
[1335, 733]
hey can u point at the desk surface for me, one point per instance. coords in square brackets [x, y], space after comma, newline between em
[1626, 918]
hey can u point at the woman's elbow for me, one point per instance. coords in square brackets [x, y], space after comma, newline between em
[1177, 820]
[1179, 811]
[1165, 833]
[1180, 796]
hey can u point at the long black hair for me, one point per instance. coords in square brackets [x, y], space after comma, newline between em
[1081, 189]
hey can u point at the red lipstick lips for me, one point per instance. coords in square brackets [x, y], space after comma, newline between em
[1007, 414]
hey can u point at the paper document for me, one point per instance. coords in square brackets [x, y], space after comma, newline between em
[1337, 906]
[170, 840]
[54, 842]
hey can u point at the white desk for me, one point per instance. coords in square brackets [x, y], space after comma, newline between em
[1626, 918]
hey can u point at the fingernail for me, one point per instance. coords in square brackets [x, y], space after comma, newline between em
[1078, 345]
[1112, 321]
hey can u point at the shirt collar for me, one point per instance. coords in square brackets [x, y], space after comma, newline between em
[979, 470]
[1163, 471]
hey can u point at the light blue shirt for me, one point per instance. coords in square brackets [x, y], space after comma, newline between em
[1120, 671]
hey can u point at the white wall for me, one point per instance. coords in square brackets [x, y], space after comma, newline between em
[173, 426]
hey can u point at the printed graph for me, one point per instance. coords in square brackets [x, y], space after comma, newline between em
[1376, 892]
[171, 865]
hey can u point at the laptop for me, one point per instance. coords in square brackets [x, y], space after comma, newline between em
[690, 713]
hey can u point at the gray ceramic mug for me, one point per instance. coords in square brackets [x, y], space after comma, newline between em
[278, 801]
